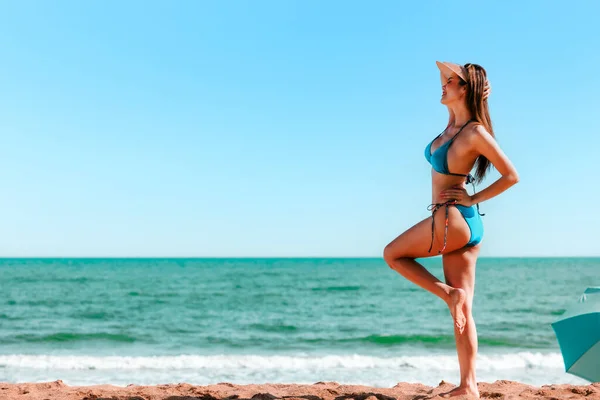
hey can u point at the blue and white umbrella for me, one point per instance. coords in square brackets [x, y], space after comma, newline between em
[578, 334]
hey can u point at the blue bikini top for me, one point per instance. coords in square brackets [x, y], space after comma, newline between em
[439, 158]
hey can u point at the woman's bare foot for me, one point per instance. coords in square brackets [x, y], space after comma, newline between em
[462, 391]
[456, 304]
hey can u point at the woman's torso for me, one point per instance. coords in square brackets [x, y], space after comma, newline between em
[460, 159]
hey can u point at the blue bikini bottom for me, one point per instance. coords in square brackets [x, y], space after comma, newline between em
[474, 221]
[471, 216]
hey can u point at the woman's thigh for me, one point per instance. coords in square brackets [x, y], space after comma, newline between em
[415, 242]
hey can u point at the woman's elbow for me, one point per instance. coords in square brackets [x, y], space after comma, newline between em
[513, 177]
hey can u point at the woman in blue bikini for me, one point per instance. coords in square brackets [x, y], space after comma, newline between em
[455, 229]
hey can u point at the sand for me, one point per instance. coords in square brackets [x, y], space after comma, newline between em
[319, 391]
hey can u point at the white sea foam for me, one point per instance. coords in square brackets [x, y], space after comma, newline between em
[227, 362]
[527, 367]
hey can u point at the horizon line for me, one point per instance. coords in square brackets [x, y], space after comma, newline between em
[253, 257]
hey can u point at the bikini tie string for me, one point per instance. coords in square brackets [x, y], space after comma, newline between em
[434, 207]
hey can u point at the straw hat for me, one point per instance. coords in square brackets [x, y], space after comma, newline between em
[448, 68]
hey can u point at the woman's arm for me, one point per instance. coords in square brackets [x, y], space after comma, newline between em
[487, 146]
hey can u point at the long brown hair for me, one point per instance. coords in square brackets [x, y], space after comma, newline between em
[478, 106]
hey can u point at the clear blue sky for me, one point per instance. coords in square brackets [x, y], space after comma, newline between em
[284, 128]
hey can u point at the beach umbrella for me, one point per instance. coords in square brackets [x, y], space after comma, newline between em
[578, 335]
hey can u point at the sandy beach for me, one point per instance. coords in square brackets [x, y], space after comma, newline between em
[501, 389]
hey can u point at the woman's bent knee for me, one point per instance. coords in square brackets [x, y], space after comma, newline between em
[391, 253]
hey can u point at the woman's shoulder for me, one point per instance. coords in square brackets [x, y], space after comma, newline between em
[475, 134]
[477, 130]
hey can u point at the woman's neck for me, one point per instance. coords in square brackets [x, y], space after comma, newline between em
[459, 115]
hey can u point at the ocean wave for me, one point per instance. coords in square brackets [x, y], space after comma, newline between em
[522, 360]
[72, 337]
[443, 341]
[336, 288]
[274, 328]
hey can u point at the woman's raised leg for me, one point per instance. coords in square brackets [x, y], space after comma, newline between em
[400, 255]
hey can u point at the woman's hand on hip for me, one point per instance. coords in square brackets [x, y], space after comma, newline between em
[459, 194]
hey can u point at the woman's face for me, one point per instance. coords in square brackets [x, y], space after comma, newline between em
[452, 91]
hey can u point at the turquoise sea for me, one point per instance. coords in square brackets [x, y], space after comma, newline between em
[203, 321]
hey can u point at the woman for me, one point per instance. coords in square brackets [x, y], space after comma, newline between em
[455, 229]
